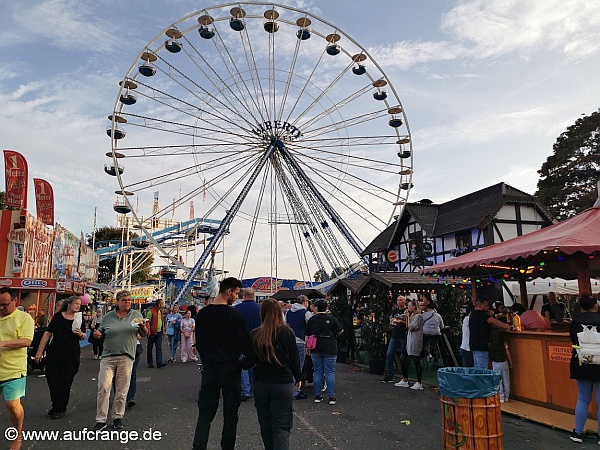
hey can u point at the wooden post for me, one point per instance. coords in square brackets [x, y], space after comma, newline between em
[474, 289]
[582, 262]
[523, 291]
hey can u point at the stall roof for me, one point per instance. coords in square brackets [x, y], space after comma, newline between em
[290, 294]
[354, 284]
[577, 234]
[406, 280]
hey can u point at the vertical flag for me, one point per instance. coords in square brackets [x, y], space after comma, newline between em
[15, 169]
[44, 201]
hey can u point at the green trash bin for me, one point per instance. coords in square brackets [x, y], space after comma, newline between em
[471, 414]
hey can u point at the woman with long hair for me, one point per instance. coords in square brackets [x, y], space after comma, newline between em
[62, 355]
[278, 364]
[414, 344]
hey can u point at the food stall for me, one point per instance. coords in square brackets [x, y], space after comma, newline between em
[569, 249]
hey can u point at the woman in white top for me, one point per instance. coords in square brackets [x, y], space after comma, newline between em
[465, 347]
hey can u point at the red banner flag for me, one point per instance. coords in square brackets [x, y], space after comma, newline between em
[44, 201]
[15, 168]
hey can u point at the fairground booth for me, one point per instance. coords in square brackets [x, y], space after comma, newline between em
[540, 373]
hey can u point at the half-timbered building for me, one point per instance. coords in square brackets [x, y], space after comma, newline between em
[427, 233]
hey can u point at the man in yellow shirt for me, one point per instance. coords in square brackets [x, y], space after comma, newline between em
[16, 333]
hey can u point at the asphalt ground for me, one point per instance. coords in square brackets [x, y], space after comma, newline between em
[368, 415]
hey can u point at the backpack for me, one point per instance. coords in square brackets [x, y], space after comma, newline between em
[588, 350]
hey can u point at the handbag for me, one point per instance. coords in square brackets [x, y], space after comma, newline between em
[170, 331]
[311, 342]
[588, 350]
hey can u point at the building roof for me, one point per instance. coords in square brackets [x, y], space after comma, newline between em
[474, 210]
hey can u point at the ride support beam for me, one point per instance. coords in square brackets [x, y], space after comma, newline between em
[224, 226]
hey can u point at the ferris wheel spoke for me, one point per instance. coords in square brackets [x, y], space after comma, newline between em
[336, 107]
[219, 111]
[288, 82]
[322, 94]
[179, 150]
[223, 88]
[345, 123]
[230, 62]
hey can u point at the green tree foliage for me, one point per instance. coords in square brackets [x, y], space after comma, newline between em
[321, 276]
[3, 201]
[568, 178]
[106, 269]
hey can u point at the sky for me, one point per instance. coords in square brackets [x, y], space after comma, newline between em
[486, 88]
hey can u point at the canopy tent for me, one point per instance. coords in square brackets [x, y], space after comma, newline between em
[569, 249]
[541, 286]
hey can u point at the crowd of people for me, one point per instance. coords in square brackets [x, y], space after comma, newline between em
[266, 351]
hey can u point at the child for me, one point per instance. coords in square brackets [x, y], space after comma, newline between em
[501, 361]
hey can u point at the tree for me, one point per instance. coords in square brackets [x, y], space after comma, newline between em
[568, 178]
[3, 202]
[106, 269]
[337, 272]
[321, 276]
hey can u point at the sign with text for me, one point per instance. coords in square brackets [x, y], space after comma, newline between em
[560, 353]
[44, 201]
[15, 176]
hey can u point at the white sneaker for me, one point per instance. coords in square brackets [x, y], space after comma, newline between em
[402, 383]
[502, 400]
[417, 386]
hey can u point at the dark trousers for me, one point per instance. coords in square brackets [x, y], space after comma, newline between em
[98, 348]
[275, 415]
[60, 375]
[155, 340]
[406, 362]
[133, 382]
[224, 377]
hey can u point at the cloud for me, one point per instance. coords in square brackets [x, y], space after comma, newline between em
[406, 54]
[496, 27]
[480, 128]
[66, 24]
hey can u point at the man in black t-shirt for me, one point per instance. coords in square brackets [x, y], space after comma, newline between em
[221, 337]
[398, 338]
[480, 324]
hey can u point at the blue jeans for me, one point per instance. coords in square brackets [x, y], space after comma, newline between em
[324, 363]
[275, 414]
[154, 340]
[502, 368]
[216, 378]
[584, 396]
[481, 359]
[173, 344]
[301, 352]
[394, 345]
[133, 383]
[467, 358]
[247, 382]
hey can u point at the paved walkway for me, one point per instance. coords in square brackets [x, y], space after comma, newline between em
[369, 415]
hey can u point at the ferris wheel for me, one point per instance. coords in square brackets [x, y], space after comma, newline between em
[273, 121]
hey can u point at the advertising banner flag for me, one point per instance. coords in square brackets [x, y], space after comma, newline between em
[44, 201]
[15, 170]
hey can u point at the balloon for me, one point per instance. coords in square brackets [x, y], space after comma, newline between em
[85, 299]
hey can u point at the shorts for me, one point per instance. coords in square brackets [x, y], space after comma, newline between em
[13, 389]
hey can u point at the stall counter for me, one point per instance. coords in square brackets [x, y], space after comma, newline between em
[540, 372]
